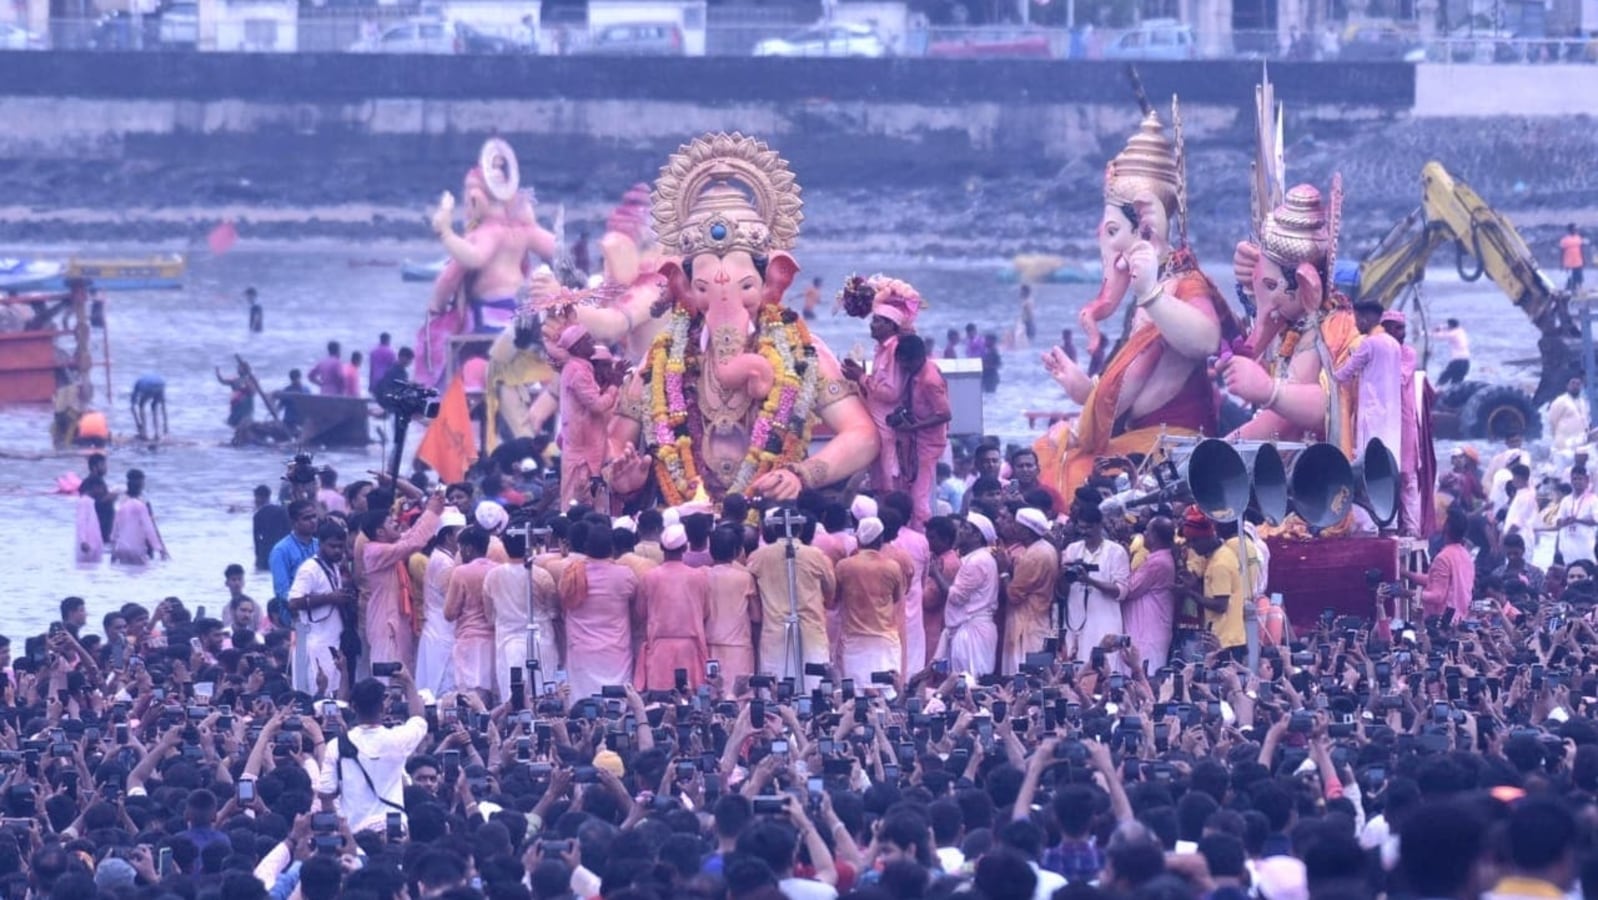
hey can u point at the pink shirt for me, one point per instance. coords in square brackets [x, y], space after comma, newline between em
[674, 598]
[599, 634]
[1378, 364]
[585, 411]
[1150, 606]
[1450, 583]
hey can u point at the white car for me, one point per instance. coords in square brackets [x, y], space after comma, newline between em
[15, 37]
[411, 36]
[180, 24]
[849, 39]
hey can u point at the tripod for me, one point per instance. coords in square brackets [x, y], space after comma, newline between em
[792, 639]
[533, 668]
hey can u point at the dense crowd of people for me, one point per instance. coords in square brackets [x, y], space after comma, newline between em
[460, 691]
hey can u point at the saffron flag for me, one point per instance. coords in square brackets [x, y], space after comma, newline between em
[450, 444]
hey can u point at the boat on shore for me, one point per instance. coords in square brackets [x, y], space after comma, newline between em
[147, 273]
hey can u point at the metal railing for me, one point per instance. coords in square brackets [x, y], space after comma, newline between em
[391, 30]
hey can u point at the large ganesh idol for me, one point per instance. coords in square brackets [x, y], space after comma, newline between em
[1299, 328]
[477, 291]
[728, 393]
[1156, 381]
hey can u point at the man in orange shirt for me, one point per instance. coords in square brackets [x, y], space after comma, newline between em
[871, 588]
[1571, 257]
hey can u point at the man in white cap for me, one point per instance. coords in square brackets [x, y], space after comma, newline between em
[1031, 591]
[871, 589]
[492, 518]
[585, 412]
[970, 640]
[673, 597]
[434, 671]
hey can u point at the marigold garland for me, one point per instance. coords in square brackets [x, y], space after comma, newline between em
[780, 434]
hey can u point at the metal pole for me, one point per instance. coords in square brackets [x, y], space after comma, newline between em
[793, 640]
[1588, 364]
[1251, 623]
[532, 689]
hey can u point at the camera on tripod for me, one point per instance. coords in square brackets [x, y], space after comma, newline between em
[1077, 571]
[409, 399]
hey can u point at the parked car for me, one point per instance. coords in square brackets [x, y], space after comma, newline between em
[410, 36]
[471, 39]
[848, 39]
[635, 39]
[15, 37]
[1154, 39]
[1381, 42]
[180, 25]
[992, 44]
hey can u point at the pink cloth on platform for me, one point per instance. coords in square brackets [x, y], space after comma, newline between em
[599, 640]
[473, 656]
[585, 411]
[389, 630]
[1377, 362]
[674, 600]
[1148, 611]
[133, 535]
[89, 547]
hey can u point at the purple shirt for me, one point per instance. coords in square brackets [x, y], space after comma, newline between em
[1150, 606]
[382, 359]
[328, 376]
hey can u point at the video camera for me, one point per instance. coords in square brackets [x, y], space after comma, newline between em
[407, 398]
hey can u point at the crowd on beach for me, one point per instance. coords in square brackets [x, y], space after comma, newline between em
[465, 690]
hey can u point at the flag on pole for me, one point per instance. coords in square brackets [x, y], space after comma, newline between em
[450, 444]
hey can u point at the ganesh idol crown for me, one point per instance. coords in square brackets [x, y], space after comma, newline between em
[728, 393]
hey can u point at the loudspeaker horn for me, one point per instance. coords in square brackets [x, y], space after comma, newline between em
[1218, 477]
[1320, 485]
[1376, 482]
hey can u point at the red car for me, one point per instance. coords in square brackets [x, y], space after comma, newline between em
[973, 44]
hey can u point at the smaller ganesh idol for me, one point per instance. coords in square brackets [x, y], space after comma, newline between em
[905, 392]
[729, 392]
[1302, 329]
[488, 261]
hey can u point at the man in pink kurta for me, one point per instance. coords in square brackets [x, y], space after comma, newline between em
[585, 412]
[90, 544]
[133, 536]
[390, 620]
[1409, 462]
[1148, 607]
[1378, 365]
[597, 596]
[464, 604]
[673, 598]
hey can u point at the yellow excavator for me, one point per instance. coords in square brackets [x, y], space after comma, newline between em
[1451, 211]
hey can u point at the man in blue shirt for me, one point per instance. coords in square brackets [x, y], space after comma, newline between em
[294, 549]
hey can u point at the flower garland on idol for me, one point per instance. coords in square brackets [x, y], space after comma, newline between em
[780, 435]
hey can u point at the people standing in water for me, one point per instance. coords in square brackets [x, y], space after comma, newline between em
[241, 403]
[134, 538]
[149, 406]
[257, 314]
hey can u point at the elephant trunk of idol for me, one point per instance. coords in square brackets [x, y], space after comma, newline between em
[735, 369]
[1112, 290]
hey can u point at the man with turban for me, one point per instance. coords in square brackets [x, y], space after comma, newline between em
[585, 412]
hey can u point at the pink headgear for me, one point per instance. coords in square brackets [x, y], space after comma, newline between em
[570, 336]
[896, 301]
[1393, 316]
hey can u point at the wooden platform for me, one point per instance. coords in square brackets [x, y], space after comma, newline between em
[1329, 573]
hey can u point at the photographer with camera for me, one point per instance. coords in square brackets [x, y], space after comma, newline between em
[1095, 572]
[363, 771]
[320, 598]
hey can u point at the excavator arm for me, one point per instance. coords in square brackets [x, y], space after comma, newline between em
[1451, 210]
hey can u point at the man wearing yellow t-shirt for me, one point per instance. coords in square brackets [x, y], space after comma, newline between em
[1223, 595]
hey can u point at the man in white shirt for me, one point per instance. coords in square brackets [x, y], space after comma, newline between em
[1521, 516]
[1577, 520]
[1098, 570]
[1458, 353]
[1569, 417]
[363, 772]
[317, 598]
